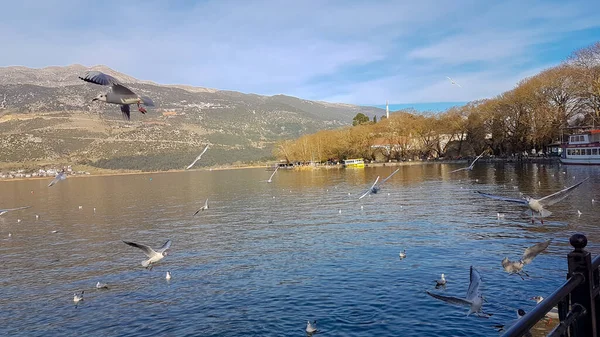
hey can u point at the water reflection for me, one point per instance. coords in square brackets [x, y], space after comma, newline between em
[268, 257]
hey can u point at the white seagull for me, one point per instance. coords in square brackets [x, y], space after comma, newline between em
[474, 297]
[119, 94]
[402, 254]
[376, 187]
[538, 206]
[311, 327]
[553, 313]
[453, 82]
[78, 298]
[516, 267]
[203, 208]
[2, 211]
[197, 158]
[153, 256]
[62, 175]
[470, 167]
[271, 177]
[101, 285]
[441, 282]
[168, 275]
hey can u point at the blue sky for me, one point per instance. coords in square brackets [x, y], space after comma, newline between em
[360, 52]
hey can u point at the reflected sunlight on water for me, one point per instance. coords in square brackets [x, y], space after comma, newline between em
[265, 258]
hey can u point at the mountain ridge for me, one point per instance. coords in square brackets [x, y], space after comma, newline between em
[46, 114]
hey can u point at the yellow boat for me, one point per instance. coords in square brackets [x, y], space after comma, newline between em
[358, 163]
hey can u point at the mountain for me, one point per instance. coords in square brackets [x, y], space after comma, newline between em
[47, 116]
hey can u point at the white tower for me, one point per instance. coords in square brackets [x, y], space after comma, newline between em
[387, 110]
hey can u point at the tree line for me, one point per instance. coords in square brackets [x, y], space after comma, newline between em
[537, 112]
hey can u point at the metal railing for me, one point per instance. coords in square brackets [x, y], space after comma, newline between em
[577, 298]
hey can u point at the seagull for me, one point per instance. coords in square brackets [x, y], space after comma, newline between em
[119, 94]
[271, 177]
[153, 256]
[2, 211]
[101, 285]
[579, 213]
[402, 254]
[168, 276]
[470, 167]
[62, 175]
[375, 188]
[78, 298]
[197, 158]
[441, 282]
[538, 206]
[311, 327]
[203, 208]
[500, 216]
[453, 82]
[553, 313]
[516, 267]
[474, 297]
[504, 327]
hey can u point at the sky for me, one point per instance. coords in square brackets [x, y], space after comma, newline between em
[348, 51]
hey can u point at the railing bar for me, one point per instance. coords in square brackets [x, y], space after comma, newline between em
[539, 311]
[596, 262]
[560, 330]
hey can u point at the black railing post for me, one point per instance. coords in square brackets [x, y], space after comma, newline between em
[580, 262]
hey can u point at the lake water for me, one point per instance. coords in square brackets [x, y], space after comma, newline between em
[265, 258]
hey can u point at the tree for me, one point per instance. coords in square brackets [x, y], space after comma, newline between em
[375, 119]
[359, 119]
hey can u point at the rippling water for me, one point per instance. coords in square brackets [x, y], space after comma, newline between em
[265, 258]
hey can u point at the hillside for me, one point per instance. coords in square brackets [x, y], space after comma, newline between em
[47, 116]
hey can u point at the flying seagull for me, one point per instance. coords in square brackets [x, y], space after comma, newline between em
[376, 187]
[203, 208]
[470, 167]
[474, 297]
[78, 297]
[453, 83]
[2, 211]
[153, 256]
[197, 158]
[119, 93]
[271, 177]
[538, 206]
[62, 175]
[516, 267]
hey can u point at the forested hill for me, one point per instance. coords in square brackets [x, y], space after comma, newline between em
[47, 116]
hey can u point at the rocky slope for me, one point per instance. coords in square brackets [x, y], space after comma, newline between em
[47, 116]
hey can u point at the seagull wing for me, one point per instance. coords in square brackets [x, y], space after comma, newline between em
[59, 177]
[458, 85]
[370, 189]
[560, 195]
[122, 90]
[473, 163]
[125, 111]
[2, 211]
[473, 290]
[497, 197]
[165, 246]
[450, 299]
[388, 177]
[271, 177]
[533, 251]
[146, 249]
[460, 169]
[197, 158]
[206, 204]
[100, 78]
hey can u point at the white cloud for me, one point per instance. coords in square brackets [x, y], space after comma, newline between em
[350, 51]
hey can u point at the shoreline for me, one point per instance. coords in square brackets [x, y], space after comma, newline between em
[223, 168]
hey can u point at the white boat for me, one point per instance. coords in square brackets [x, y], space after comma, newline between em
[582, 149]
